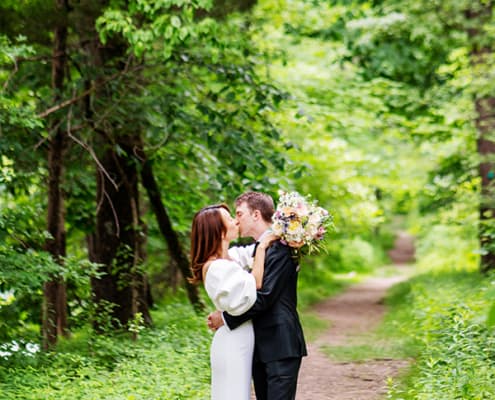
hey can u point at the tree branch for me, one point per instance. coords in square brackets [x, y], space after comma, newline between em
[67, 103]
[16, 68]
[92, 153]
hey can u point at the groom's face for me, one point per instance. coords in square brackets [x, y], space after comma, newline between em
[246, 219]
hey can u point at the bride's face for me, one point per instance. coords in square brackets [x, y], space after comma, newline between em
[231, 225]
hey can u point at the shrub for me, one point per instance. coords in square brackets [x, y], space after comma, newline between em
[358, 255]
[445, 312]
[444, 246]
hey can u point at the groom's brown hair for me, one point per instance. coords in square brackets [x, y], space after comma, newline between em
[258, 201]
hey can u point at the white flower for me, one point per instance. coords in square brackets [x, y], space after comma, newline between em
[32, 348]
[277, 228]
[14, 346]
[5, 354]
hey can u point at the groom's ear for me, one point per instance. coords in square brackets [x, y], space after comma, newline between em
[256, 214]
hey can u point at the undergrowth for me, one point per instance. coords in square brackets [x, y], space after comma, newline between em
[444, 312]
[168, 362]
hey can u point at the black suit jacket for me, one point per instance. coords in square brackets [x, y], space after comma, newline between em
[277, 329]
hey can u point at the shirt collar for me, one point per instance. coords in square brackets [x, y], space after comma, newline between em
[263, 235]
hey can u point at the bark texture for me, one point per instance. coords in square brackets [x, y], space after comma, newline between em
[54, 292]
[118, 241]
[477, 16]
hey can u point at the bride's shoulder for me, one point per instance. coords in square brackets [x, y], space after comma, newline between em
[223, 262]
[221, 265]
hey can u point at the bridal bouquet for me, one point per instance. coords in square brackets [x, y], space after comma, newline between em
[299, 222]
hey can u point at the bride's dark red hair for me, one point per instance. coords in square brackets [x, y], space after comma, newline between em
[206, 238]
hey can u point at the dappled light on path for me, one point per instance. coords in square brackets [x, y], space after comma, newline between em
[355, 312]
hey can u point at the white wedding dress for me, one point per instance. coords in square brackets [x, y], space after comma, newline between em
[232, 289]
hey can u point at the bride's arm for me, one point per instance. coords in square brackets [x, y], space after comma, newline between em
[259, 259]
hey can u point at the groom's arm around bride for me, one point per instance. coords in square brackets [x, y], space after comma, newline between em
[279, 339]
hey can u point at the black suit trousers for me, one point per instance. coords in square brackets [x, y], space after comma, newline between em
[276, 380]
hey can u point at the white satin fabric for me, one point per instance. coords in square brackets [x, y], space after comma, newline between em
[231, 289]
[243, 255]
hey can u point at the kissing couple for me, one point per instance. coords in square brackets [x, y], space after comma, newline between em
[256, 325]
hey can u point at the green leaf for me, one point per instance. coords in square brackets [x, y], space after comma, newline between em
[490, 321]
[175, 21]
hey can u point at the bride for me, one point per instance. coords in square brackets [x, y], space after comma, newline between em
[231, 288]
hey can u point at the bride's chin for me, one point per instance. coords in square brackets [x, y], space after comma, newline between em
[234, 237]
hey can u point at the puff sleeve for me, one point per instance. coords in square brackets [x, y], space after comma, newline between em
[243, 255]
[230, 287]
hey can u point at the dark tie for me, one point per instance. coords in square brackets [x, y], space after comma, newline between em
[255, 247]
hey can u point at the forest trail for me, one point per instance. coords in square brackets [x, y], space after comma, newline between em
[353, 313]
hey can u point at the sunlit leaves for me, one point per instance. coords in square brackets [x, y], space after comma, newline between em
[151, 25]
[10, 51]
[16, 108]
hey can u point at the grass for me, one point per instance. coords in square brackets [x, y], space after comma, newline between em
[372, 347]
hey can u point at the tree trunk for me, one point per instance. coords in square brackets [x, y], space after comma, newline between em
[485, 122]
[174, 246]
[54, 291]
[477, 16]
[117, 243]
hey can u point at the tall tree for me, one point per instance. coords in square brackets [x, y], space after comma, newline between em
[117, 243]
[478, 15]
[55, 298]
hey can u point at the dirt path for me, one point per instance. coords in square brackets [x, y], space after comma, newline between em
[352, 313]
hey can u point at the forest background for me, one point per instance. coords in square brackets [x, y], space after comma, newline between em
[120, 119]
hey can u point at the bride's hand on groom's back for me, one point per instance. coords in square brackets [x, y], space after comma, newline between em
[215, 320]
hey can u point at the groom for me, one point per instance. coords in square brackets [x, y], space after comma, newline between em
[279, 340]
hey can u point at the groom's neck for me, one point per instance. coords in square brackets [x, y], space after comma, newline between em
[260, 230]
